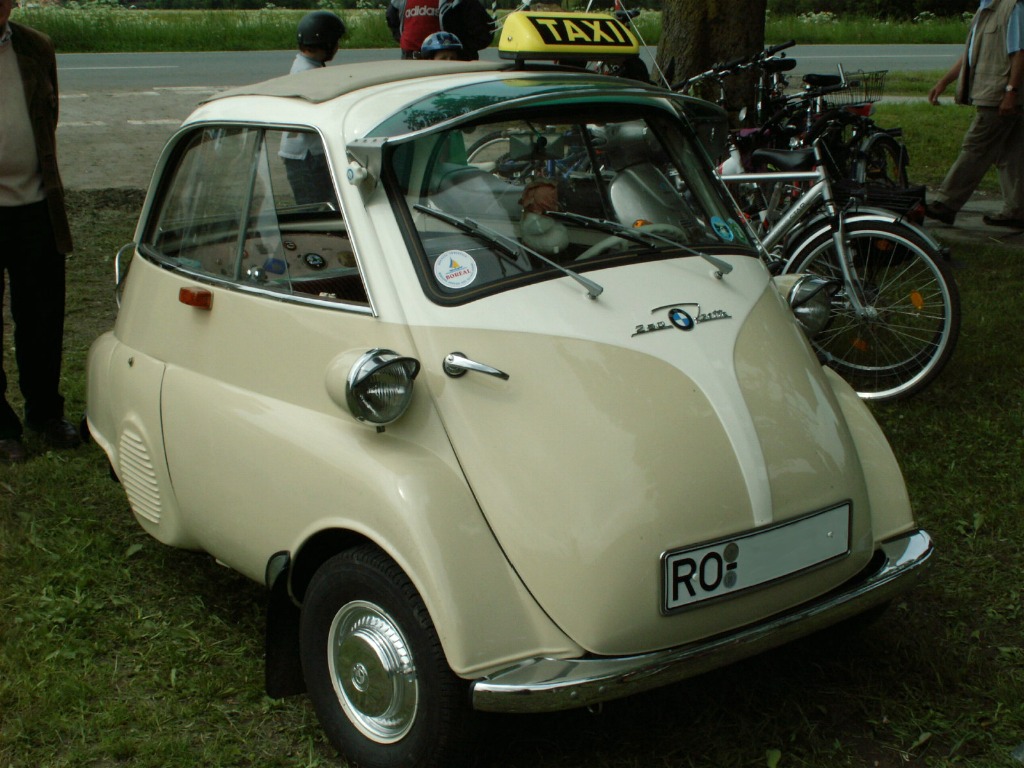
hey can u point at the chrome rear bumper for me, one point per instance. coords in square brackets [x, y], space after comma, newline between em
[547, 684]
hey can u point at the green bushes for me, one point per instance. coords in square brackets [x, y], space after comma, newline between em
[99, 27]
[82, 26]
[878, 9]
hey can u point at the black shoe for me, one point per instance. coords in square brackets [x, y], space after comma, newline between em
[12, 451]
[59, 434]
[940, 212]
[1003, 221]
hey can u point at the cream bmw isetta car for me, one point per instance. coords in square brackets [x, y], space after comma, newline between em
[480, 371]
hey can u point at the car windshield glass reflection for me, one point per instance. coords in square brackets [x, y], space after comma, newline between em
[572, 189]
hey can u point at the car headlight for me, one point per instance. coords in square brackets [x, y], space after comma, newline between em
[810, 299]
[379, 386]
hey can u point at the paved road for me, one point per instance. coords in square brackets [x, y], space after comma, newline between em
[119, 109]
[96, 72]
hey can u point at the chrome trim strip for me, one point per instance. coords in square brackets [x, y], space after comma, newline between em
[548, 684]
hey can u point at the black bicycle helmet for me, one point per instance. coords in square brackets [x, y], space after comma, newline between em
[320, 29]
[440, 41]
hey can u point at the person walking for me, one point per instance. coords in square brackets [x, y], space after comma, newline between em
[989, 75]
[35, 236]
[318, 35]
[413, 21]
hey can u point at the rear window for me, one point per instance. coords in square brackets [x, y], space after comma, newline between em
[255, 208]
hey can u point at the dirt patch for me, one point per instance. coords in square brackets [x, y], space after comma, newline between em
[114, 140]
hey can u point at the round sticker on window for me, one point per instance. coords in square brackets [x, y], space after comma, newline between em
[721, 229]
[737, 230]
[455, 269]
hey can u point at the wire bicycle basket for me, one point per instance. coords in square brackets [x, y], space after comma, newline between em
[863, 88]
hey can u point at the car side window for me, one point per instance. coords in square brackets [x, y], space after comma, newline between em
[255, 207]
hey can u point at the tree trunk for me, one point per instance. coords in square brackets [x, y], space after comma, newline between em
[697, 34]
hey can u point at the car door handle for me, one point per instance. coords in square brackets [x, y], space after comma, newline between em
[457, 364]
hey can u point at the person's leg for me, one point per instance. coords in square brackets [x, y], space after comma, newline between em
[982, 147]
[320, 178]
[37, 284]
[1011, 170]
[10, 424]
[298, 179]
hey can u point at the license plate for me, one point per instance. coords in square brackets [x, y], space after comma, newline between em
[739, 563]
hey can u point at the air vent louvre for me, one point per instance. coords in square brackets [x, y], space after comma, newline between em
[138, 477]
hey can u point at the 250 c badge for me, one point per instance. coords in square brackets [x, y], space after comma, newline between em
[680, 318]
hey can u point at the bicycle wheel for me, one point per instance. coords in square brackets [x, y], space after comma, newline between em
[492, 152]
[837, 129]
[911, 318]
[882, 160]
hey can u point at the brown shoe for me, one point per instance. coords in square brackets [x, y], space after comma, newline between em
[940, 212]
[59, 434]
[12, 451]
[1003, 221]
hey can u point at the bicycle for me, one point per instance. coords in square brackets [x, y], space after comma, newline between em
[895, 307]
[834, 108]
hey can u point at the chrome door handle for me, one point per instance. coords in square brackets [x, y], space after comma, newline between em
[457, 364]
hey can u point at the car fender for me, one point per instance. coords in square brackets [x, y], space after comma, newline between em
[891, 513]
[131, 435]
[484, 616]
[819, 226]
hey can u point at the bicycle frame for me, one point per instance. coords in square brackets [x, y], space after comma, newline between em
[821, 191]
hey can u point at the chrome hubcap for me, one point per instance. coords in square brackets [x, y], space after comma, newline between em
[373, 672]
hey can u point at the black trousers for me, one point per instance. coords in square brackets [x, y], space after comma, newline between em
[310, 179]
[33, 268]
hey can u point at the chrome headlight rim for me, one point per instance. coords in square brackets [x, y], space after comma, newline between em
[368, 373]
[810, 298]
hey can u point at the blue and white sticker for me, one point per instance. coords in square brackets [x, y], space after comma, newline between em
[455, 269]
[723, 230]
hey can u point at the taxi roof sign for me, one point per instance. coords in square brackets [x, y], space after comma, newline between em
[565, 36]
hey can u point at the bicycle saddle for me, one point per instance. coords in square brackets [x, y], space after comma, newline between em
[784, 159]
[778, 64]
[822, 81]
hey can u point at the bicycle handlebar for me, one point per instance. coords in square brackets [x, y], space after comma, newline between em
[724, 69]
[772, 50]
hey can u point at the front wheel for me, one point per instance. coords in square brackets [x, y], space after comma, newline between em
[374, 667]
[911, 319]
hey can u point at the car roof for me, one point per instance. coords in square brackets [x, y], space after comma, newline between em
[320, 85]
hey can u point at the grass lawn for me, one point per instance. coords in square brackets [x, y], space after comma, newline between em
[118, 651]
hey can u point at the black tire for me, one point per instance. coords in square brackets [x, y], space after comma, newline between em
[375, 670]
[882, 160]
[491, 147]
[913, 302]
[494, 147]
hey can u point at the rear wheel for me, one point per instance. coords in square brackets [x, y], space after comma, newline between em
[883, 160]
[911, 321]
[374, 667]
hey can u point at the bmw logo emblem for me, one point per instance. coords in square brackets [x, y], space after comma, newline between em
[681, 319]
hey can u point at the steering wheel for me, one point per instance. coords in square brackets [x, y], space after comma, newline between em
[615, 243]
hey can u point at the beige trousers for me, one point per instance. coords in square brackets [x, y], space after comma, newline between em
[990, 140]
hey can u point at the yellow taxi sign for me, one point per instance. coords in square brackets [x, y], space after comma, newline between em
[564, 36]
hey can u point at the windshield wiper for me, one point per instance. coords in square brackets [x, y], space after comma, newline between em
[638, 235]
[509, 245]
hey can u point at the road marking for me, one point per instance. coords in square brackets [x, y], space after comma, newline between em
[154, 122]
[152, 66]
[192, 88]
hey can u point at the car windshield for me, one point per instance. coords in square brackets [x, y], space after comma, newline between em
[518, 197]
